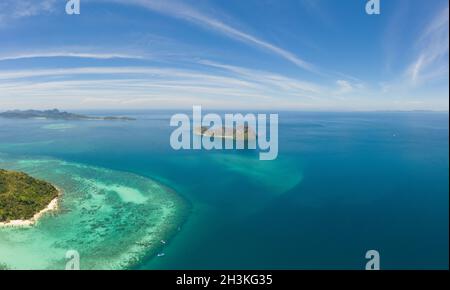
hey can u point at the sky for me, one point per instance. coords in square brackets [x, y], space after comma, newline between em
[318, 55]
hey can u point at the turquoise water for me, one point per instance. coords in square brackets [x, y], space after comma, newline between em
[343, 184]
[113, 219]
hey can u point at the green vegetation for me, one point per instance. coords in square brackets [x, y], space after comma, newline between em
[3, 267]
[22, 196]
[240, 133]
[56, 114]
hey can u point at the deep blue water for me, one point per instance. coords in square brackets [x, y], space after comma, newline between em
[343, 184]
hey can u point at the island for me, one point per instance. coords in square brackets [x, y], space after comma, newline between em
[56, 114]
[24, 199]
[241, 133]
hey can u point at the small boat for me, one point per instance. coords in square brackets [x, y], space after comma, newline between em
[163, 242]
[161, 254]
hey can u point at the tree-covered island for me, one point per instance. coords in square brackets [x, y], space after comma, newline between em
[22, 196]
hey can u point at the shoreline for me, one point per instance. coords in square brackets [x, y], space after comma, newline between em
[198, 131]
[32, 247]
[52, 206]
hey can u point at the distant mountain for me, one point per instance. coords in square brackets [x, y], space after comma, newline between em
[56, 114]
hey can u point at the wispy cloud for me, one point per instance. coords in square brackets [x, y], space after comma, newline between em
[14, 9]
[423, 81]
[344, 87]
[432, 59]
[182, 11]
[231, 85]
[264, 77]
[224, 86]
[68, 54]
[154, 67]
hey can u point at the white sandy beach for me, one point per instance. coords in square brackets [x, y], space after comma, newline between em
[52, 206]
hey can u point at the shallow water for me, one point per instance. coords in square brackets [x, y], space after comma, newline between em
[113, 219]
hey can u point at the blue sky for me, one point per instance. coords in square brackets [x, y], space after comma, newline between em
[254, 54]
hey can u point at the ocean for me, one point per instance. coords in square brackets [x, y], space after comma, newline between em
[344, 183]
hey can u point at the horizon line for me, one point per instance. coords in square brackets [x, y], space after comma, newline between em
[237, 110]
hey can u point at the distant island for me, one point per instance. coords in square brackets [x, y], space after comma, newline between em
[24, 199]
[242, 133]
[56, 114]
